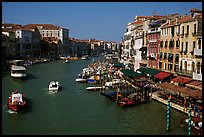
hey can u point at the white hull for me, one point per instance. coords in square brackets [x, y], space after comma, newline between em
[80, 80]
[54, 86]
[19, 75]
[95, 88]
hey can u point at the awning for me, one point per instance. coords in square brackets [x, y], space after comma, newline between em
[148, 71]
[195, 84]
[162, 75]
[177, 55]
[181, 80]
[143, 49]
[164, 54]
[160, 54]
[175, 88]
[132, 74]
[118, 65]
[170, 55]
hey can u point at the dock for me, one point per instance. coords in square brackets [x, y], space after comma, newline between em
[173, 105]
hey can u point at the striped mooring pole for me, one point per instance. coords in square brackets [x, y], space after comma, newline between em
[168, 117]
[199, 112]
[189, 122]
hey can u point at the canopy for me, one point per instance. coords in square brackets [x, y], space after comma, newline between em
[175, 88]
[181, 80]
[195, 84]
[149, 71]
[162, 75]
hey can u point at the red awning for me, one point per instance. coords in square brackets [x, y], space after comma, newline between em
[181, 80]
[162, 75]
[195, 84]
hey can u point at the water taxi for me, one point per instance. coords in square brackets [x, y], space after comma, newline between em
[17, 101]
[54, 86]
[18, 71]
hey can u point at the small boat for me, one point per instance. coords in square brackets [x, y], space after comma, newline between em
[85, 57]
[17, 101]
[67, 61]
[95, 88]
[113, 82]
[196, 124]
[18, 71]
[54, 86]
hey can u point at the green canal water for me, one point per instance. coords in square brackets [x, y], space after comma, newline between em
[75, 111]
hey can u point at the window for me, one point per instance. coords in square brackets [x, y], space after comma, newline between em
[182, 46]
[187, 31]
[161, 44]
[183, 30]
[185, 66]
[177, 43]
[198, 67]
[199, 44]
[194, 29]
[193, 67]
[186, 47]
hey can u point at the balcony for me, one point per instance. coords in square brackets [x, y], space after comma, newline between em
[182, 35]
[153, 40]
[197, 76]
[186, 34]
[197, 52]
[193, 34]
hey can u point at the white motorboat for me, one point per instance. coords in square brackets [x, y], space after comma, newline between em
[54, 86]
[95, 88]
[85, 57]
[66, 61]
[113, 82]
[18, 71]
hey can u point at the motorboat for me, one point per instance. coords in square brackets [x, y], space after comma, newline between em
[67, 61]
[18, 71]
[85, 57]
[17, 101]
[113, 82]
[54, 86]
[95, 88]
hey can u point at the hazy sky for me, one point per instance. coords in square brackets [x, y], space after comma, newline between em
[86, 20]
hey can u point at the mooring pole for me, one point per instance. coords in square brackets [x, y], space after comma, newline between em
[189, 122]
[168, 116]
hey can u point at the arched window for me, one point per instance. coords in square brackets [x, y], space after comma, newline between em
[198, 67]
[181, 66]
[193, 67]
[185, 66]
[199, 44]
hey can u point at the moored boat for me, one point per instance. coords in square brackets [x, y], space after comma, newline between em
[54, 86]
[17, 101]
[196, 124]
[85, 57]
[95, 88]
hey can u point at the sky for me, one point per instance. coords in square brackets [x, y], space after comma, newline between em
[90, 20]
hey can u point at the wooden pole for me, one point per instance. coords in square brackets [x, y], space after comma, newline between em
[189, 122]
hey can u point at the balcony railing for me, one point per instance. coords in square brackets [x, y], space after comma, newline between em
[186, 34]
[153, 40]
[197, 52]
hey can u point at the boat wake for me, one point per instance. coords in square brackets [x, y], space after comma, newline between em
[11, 112]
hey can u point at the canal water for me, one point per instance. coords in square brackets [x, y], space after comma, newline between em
[76, 111]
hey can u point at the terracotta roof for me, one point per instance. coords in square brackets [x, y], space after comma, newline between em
[44, 26]
[12, 27]
[136, 22]
[196, 10]
[185, 90]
